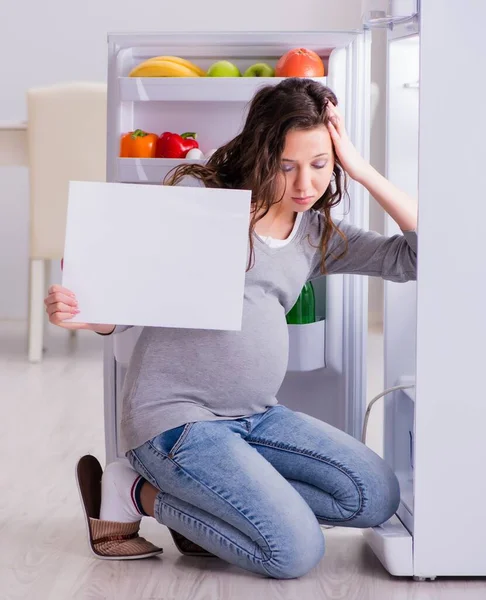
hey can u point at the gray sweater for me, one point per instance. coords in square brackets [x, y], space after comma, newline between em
[177, 376]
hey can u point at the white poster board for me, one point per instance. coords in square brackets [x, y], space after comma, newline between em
[157, 255]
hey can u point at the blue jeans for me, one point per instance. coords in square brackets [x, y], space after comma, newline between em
[254, 490]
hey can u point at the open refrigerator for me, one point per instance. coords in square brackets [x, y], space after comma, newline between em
[215, 108]
[332, 385]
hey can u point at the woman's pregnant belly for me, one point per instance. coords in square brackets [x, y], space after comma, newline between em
[229, 372]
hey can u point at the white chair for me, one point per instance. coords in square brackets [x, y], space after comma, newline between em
[66, 138]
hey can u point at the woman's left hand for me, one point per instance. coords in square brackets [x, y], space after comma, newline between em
[351, 160]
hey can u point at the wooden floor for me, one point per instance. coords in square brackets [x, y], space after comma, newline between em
[51, 414]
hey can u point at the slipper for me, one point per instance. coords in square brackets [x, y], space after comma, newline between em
[108, 540]
[187, 547]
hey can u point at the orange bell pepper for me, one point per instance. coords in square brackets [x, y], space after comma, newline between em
[138, 144]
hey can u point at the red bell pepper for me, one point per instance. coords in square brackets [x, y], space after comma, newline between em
[173, 145]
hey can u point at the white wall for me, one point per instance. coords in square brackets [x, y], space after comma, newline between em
[65, 41]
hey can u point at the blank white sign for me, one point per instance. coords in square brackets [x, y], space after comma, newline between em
[157, 255]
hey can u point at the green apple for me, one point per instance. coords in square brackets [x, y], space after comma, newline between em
[259, 70]
[223, 68]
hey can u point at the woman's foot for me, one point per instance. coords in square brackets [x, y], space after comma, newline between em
[187, 547]
[120, 494]
[121, 500]
[113, 521]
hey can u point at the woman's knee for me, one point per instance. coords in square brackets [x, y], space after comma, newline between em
[298, 550]
[380, 497]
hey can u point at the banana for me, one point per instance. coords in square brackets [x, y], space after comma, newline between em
[180, 61]
[166, 66]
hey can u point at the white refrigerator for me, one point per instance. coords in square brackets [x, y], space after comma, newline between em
[434, 440]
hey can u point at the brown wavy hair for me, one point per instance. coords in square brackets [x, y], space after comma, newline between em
[251, 160]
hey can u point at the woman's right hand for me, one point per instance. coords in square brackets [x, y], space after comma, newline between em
[61, 305]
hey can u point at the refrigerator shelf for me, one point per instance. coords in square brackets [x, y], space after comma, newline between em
[148, 170]
[197, 89]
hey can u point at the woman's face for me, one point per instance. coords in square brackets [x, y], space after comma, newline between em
[305, 169]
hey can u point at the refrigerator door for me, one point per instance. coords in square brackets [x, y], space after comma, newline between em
[435, 436]
[450, 448]
[392, 542]
[400, 307]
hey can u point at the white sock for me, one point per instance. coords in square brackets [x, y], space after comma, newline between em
[117, 494]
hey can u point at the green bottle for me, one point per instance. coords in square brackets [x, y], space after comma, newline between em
[304, 310]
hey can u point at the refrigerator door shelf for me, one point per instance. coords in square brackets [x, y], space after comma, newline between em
[148, 170]
[307, 346]
[197, 89]
[379, 19]
[397, 12]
